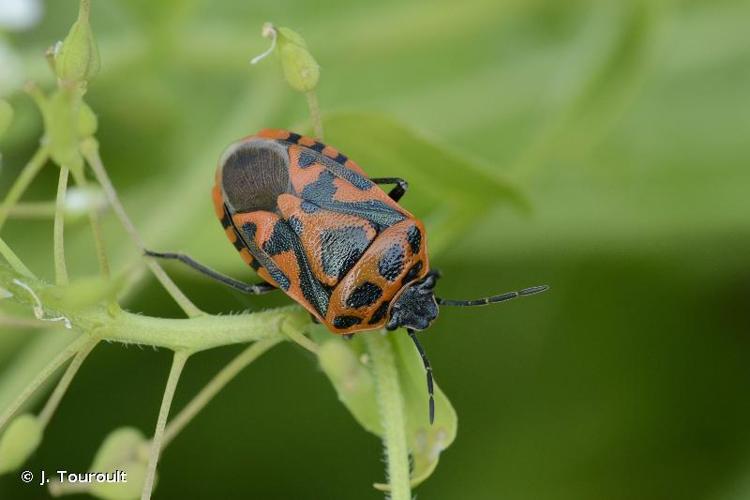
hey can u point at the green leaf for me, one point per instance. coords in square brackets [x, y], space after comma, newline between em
[19, 441]
[448, 190]
[345, 362]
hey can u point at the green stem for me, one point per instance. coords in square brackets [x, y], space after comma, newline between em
[32, 210]
[178, 363]
[96, 228]
[216, 384]
[317, 123]
[22, 182]
[391, 406]
[193, 334]
[15, 262]
[42, 376]
[62, 386]
[90, 150]
[61, 271]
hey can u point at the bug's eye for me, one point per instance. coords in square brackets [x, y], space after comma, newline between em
[254, 175]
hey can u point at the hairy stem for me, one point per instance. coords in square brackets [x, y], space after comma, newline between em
[61, 271]
[42, 376]
[15, 263]
[317, 123]
[391, 406]
[90, 150]
[216, 384]
[22, 182]
[96, 228]
[62, 386]
[178, 363]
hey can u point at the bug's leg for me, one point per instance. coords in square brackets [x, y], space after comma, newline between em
[314, 319]
[253, 289]
[428, 372]
[397, 192]
[348, 336]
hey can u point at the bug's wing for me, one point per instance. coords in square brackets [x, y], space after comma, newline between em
[282, 258]
[333, 242]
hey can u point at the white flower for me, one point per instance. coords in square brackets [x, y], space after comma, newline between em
[17, 15]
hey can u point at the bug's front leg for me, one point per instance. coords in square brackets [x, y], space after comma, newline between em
[398, 191]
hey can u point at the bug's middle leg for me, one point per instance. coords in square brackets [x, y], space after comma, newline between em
[398, 191]
[250, 288]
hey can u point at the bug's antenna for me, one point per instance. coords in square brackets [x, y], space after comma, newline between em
[493, 298]
[428, 370]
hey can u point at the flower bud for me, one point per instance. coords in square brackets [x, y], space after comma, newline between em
[77, 60]
[300, 68]
[19, 441]
[87, 121]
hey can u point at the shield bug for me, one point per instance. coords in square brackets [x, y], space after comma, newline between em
[311, 222]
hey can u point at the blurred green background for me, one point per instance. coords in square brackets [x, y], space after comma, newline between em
[626, 125]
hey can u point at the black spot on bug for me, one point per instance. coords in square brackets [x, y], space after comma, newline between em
[340, 159]
[379, 313]
[254, 264]
[412, 274]
[365, 294]
[342, 322]
[391, 262]
[341, 248]
[279, 241]
[254, 175]
[414, 237]
[318, 147]
[260, 257]
[294, 138]
[306, 159]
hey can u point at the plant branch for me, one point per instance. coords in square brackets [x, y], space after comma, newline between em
[61, 271]
[42, 376]
[96, 228]
[312, 104]
[239, 363]
[90, 150]
[22, 182]
[15, 262]
[62, 386]
[391, 406]
[178, 363]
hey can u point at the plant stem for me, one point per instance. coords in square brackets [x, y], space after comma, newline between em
[300, 339]
[22, 182]
[96, 229]
[392, 416]
[178, 363]
[250, 354]
[54, 400]
[15, 262]
[90, 150]
[61, 271]
[42, 376]
[317, 123]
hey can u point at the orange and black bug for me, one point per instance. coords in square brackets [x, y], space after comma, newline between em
[309, 221]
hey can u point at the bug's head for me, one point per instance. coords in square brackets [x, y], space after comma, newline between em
[415, 307]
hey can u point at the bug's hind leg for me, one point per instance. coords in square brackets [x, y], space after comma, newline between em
[398, 191]
[249, 288]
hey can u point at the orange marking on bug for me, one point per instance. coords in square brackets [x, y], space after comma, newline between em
[273, 133]
[231, 234]
[306, 141]
[330, 152]
[218, 201]
[246, 256]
